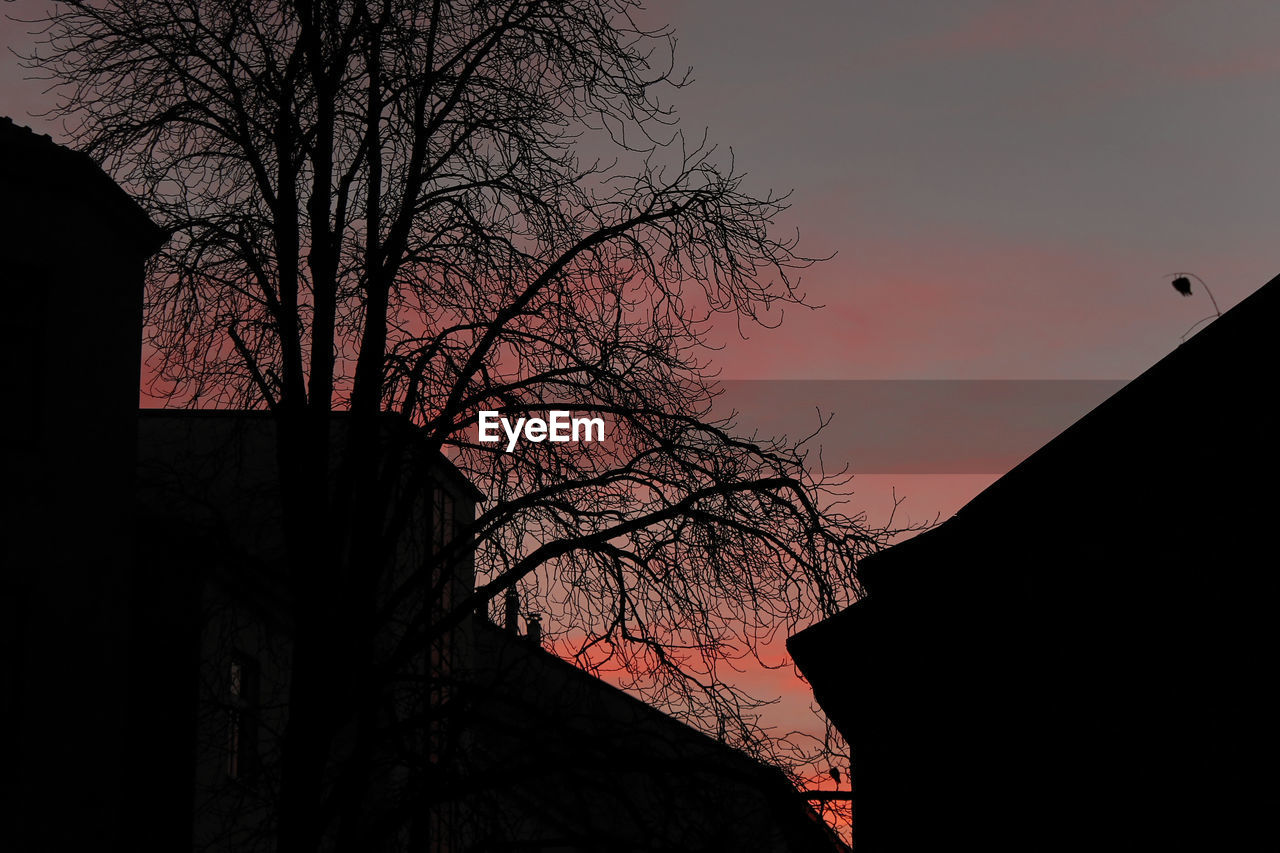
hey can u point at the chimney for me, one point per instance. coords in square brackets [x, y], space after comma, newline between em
[512, 602]
[533, 627]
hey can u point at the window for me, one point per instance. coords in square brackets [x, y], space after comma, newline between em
[441, 519]
[242, 697]
[446, 523]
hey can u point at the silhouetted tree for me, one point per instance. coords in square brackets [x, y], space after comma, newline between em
[385, 207]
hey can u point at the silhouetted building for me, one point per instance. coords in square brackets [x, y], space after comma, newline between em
[568, 763]
[216, 604]
[72, 249]
[147, 622]
[1083, 657]
[525, 751]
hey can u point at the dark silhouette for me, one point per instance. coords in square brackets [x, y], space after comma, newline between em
[150, 657]
[72, 248]
[376, 213]
[1182, 284]
[1082, 657]
[549, 756]
[380, 208]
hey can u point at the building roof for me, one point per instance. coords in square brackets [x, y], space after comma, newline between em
[441, 465]
[26, 154]
[607, 765]
[1209, 390]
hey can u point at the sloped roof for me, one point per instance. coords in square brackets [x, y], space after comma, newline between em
[30, 156]
[1226, 359]
[609, 736]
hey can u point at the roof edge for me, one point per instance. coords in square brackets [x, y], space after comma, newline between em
[150, 237]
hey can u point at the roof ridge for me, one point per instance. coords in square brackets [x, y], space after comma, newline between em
[26, 133]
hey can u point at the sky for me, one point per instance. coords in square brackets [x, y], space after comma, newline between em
[1006, 184]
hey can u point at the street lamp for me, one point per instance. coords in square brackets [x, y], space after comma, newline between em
[1182, 283]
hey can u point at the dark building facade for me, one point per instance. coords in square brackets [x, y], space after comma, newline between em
[520, 749]
[72, 250]
[1083, 657]
[570, 764]
[216, 605]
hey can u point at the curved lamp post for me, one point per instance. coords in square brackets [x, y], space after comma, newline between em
[1182, 283]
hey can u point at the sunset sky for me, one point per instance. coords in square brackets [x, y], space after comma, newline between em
[1006, 183]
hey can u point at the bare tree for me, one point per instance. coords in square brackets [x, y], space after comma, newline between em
[385, 207]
